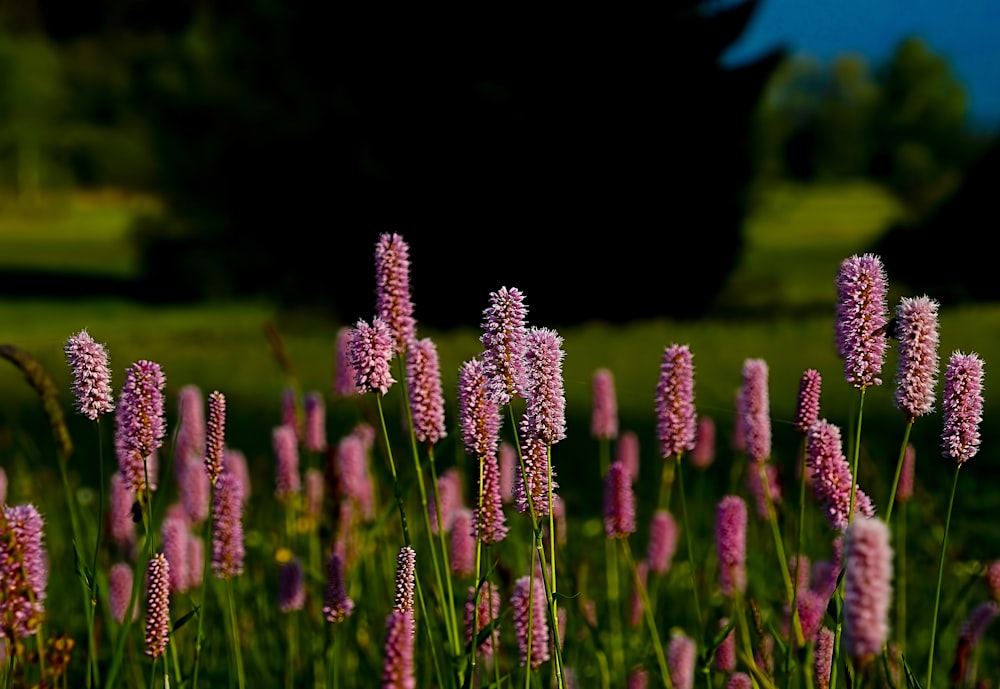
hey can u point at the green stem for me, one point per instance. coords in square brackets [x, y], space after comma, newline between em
[940, 575]
[207, 540]
[648, 614]
[688, 540]
[392, 468]
[234, 625]
[899, 468]
[790, 589]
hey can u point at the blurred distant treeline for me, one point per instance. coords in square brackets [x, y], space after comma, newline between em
[591, 158]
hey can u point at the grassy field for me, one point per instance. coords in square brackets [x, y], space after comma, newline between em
[795, 242]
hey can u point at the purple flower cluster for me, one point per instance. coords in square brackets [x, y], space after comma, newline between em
[725, 655]
[904, 489]
[463, 543]
[406, 579]
[426, 398]
[680, 660]
[675, 416]
[442, 503]
[216, 435]
[505, 342]
[88, 361]
[344, 384]
[140, 421]
[731, 544]
[979, 619]
[393, 303]
[831, 476]
[531, 486]
[489, 610]
[337, 605]
[545, 409]
[397, 671]
[703, 453]
[823, 657]
[663, 537]
[528, 603]
[291, 586]
[478, 414]
[867, 587]
[287, 480]
[962, 406]
[120, 590]
[490, 522]
[627, 452]
[807, 410]
[174, 534]
[917, 365]
[756, 409]
[604, 416]
[24, 571]
[190, 453]
[369, 352]
[158, 606]
[228, 549]
[861, 318]
[315, 425]
[619, 502]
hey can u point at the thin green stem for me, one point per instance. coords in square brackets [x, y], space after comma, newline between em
[392, 468]
[552, 573]
[856, 452]
[782, 558]
[475, 598]
[95, 667]
[940, 575]
[199, 637]
[901, 581]
[235, 626]
[899, 468]
[445, 559]
[611, 579]
[648, 614]
[690, 544]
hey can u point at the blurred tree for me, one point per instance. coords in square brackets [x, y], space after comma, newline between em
[589, 158]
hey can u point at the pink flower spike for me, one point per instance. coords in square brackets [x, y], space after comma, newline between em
[675, 414]
[703, 453]
[917, 365]
[604, 415]
[807, 411]
[756, 409]
[393, 301]
[731, 544]
[505, 342]
[962, 406]
[663, 538]
[344, 379]
[619, 503]
[862, 315]
[426, 398]
[370, 351]
[158, 606]
[867, 587]
[216, 438]
[88, 361]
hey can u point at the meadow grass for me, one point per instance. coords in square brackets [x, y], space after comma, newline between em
[225, 347]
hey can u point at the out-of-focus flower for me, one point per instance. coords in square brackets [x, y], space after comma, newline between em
[288, 481]
[489, 610]
[604, 415]
[235, 462]
[725, 654]
[680, 660]
[636, 608]
[504, 341]
[904, 489]
[619, 503]
[867, 588]
[807, 409]
[917, 365]
[638, 679]
[315, 435]
[344, 384]
[756, 409]
[423, 375]
[370, 351]
[528, 603]
[962, 406]
[739, 680]
[174, 534]
[703, 453]
[337, 605]
[731, 544]
[121, 527]
[120, 591]
[397, 671]
[447, 499]
[463, 544]
[393, 302]
[862, 315]
[228, 550]
[88, 361]
[831, 476]
[291, 586]
[823, 657]
[761, 494]
[675, 414]
[478, 414]
[627, 452]
[663, 537]
[508, 469]
[739, 439]
[993, 579]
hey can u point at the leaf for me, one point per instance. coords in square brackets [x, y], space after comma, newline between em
[183, 619]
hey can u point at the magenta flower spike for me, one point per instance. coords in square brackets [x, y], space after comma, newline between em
[397, 671]
[354, 481]
[962, 407]
[739, 680]
[807, 410]
[449, 490]
[315, 422]
[917, 365]
[190, 446]
[675, 414]
[393, 301]
[423, 374]
[288, 481]
[120, 591]
[638, 679]
[533, 482]
[831, 476]
[867, 588]
[463, 544]
[731, 544]
[680, 660]
[3, 486]
[619, 502]
[545, 408]
[604, 414]
[216, 434]
[508, 469]
[725, 655]
[528, 602]
[291, 586]
[369, 352]
[489, 520]
[235, 462]
[337, 605]
[904, 489]
[88, 362]
[478, 415]
[24, 571]
[823, 657]
[344, 384]
[140, 421]
[663, 539]
[406, 581]
[976, 623]
[627, 452]
[504, 340]
[158, 606]
[121, 527]
[756, 409]
[862, 316]
[489, 610]
[228, 550]
[703, 453]
[174, 534]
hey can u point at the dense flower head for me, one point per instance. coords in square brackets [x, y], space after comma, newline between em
[121, 528]
[917, 364]
[807, 409]
[157, 606]
[489, 610]
[228, 550]
[505, 341]
[604, 415]
[979, 619]
[195, 485]
[406, 581]
[397, 670]
[904, 489]
[315, 422]
[862, 315]
[189, 443]
[337, 605]
[812, 607]
[88, 361]
[478, 414]
[508, 470]
[619, 502]
[638, 679]
[545, 409]
[369, 352]
[490, 522]
[141, 422]
[528, 603]
[288, 481]
[867, 587]
[739, 680]
[731, 544]
[663, 538]
[675, 415]
[120, 591]
[344, 379]
[393, 301]
[831, 476]
[463, 543]
[534, 481]
[627, 452]
[681, 660]
[174, 534]
[24, 571]
[353, 478]
[962, 406]
[823, 657]
[703, 453]
[216, 434]
[725, 654]
[291, 586]
[423, 374]
[756, 409]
